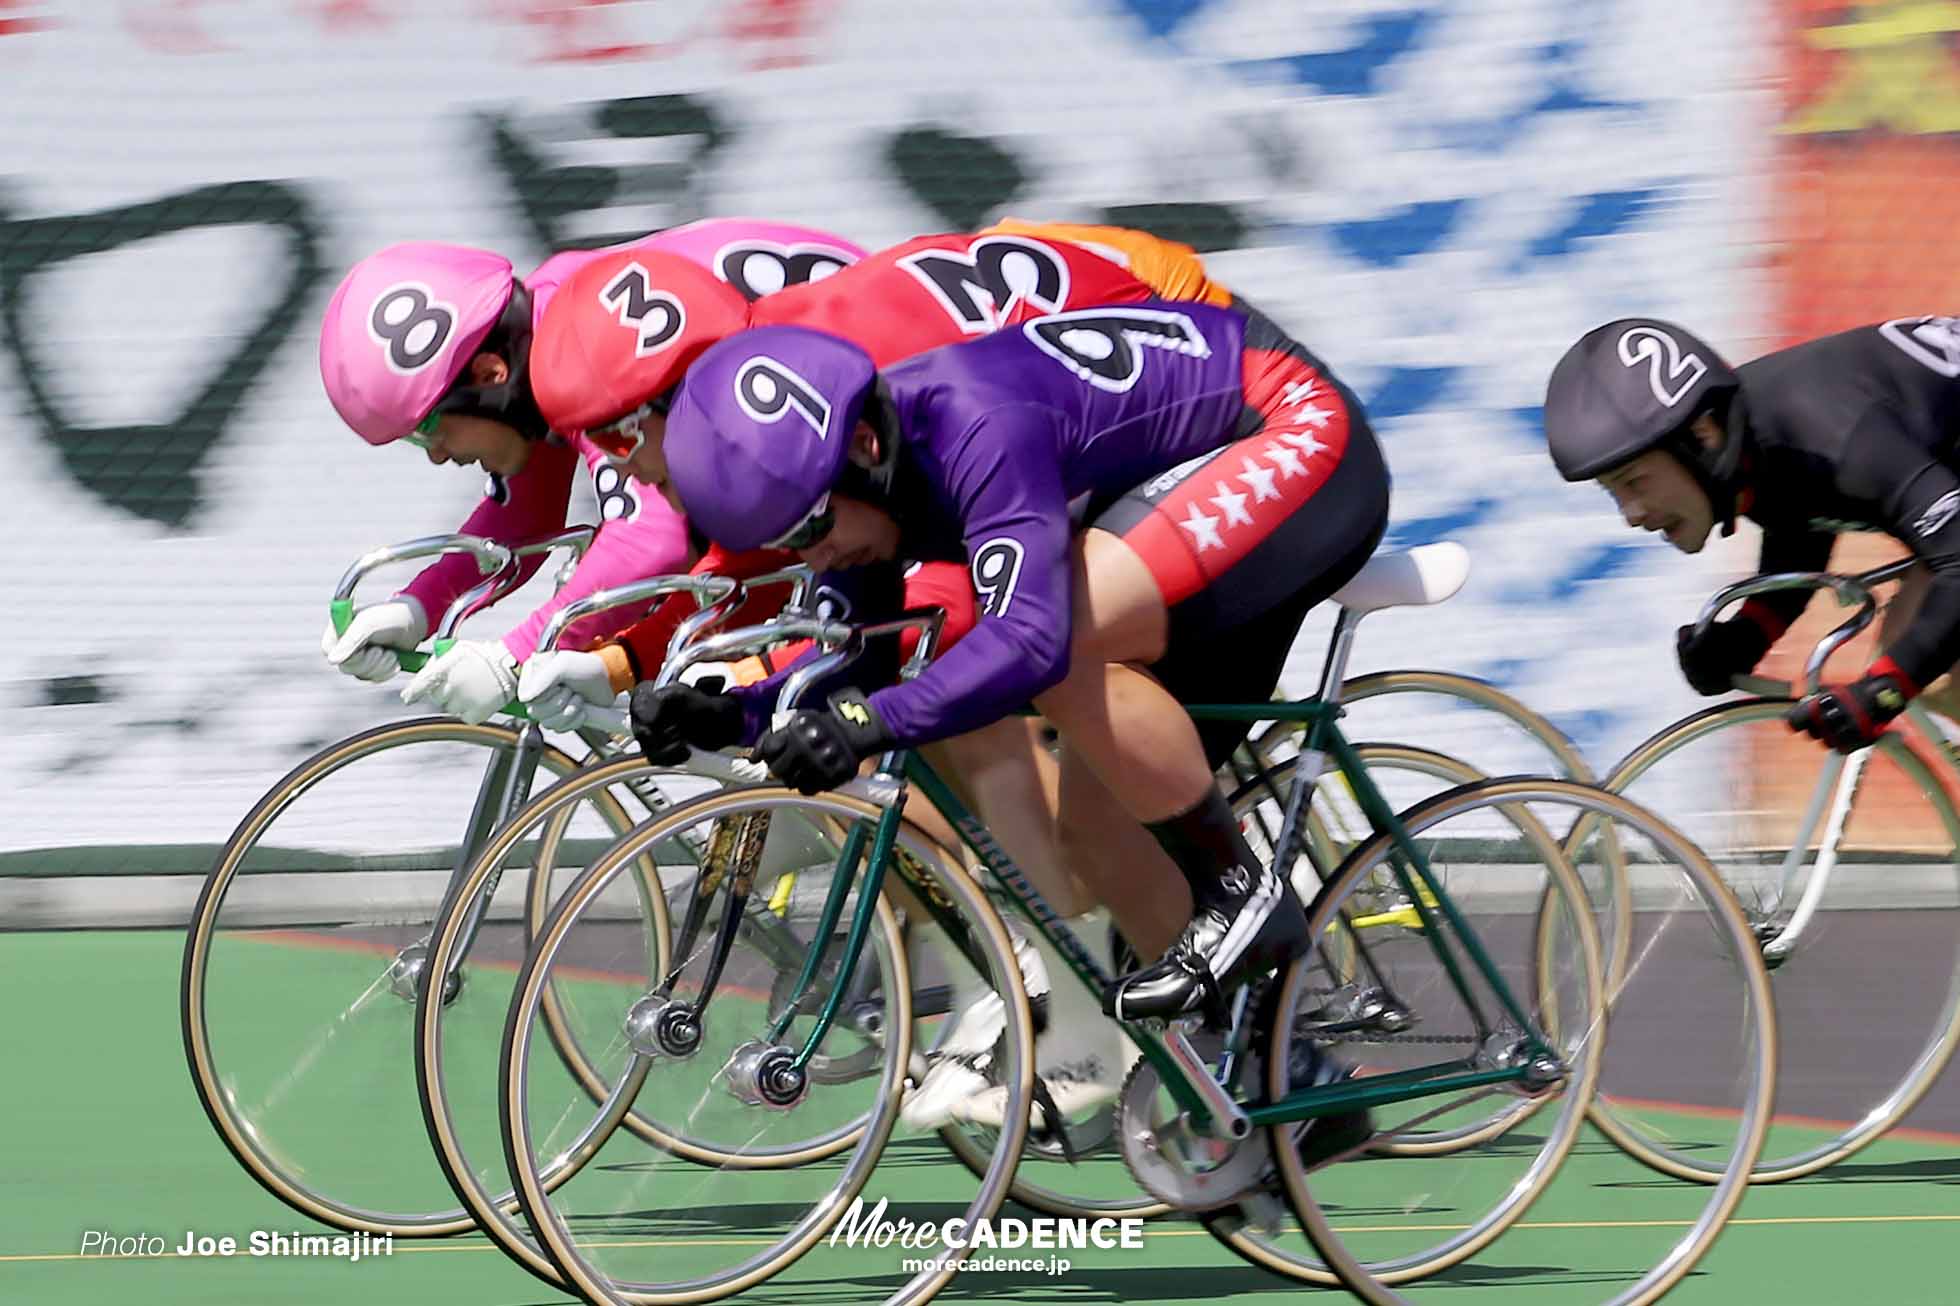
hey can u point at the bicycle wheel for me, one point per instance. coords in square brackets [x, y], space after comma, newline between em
[1363, 1216]
[455, 1064]
[1336, 826]
[304, 953]
[630, 1225]
[1461, 716]
[1848, 871]
[1402, 995]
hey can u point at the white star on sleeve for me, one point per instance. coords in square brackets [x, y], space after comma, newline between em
[1304, 441]
[1261, 481]
[1232, 505]
[1301, 396]
[1204, 529]
[1286, 460]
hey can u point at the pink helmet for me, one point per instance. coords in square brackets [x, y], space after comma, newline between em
[402, 328]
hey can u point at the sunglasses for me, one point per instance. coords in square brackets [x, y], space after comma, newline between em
[622, 439]
[815, 524]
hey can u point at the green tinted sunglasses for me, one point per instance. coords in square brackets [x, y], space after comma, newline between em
[423, 436]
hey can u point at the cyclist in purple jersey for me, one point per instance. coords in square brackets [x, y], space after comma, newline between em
[1195, 435]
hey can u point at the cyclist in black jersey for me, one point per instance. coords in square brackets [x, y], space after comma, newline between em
[1855, 431]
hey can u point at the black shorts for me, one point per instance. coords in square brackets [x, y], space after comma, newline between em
[1243, 543]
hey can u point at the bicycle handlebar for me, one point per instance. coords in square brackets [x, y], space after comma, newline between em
[841, 640]
[1848, 589]
[501, 565]
[706, 590]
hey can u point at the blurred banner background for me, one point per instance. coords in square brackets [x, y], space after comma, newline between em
[1436, 197]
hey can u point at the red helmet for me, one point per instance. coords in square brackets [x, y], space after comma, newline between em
[621, 332]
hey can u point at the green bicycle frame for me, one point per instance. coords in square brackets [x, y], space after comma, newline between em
[1323, 740]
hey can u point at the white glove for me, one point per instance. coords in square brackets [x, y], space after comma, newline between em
[559, 686]
[471, 681]
[364, 652]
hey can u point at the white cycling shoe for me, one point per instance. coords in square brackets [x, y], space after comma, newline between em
[1080, 1058]
[956, 1068]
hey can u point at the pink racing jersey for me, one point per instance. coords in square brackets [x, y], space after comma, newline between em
[639, 534]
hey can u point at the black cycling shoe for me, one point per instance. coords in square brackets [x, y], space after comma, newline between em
[1245, 927]
[1325, 1137]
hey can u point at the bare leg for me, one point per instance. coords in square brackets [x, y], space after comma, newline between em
[1125, 868]
[1154, 764]
[1134, 736]
[1009, 778]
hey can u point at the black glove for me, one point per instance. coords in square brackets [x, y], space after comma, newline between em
[1727, 649]
[667, 719]
[1849, 717]
[821, 750]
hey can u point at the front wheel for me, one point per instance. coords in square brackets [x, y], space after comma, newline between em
[305, 951]
[1848, 870]
[709, 1051]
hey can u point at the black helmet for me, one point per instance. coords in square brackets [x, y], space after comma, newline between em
[1637, 384]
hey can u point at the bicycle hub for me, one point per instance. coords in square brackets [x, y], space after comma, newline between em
[405, 972]
[662, 1027]
[766, 1075]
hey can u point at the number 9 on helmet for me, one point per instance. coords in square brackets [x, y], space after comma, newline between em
[761, 430]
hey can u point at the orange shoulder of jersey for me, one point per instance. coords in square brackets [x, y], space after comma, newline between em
[1171, 270]
[940, 290]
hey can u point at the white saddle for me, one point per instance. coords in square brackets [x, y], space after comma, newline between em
[1417, 578]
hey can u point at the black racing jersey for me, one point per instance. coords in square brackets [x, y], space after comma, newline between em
[1857, 431]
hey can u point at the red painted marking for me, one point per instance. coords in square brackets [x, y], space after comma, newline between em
[335, 14]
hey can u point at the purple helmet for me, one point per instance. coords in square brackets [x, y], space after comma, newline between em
[400, 331]
[760, 429]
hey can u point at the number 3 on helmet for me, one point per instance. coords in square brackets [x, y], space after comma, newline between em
[622, 331]
[401, 330]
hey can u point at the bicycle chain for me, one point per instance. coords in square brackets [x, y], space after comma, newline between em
[1392, 1038]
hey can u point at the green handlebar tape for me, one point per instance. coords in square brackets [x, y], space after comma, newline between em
[414, 660]
[341, 612]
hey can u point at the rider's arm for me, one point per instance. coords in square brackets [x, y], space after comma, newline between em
[1787, 550]
[1006, 482]
[653, 542]
[863, 596]
[534, 504]
[1918, 500]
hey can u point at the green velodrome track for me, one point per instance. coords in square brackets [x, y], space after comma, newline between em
[103, 1133]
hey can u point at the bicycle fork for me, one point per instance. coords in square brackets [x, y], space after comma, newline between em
[505, 787]
[1839, 780]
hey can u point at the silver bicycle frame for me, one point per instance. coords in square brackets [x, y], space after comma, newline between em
[1839, 779]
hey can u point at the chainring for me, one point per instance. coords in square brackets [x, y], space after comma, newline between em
[1174, 1163]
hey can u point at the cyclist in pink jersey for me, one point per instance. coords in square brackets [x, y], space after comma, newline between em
[430, 343]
